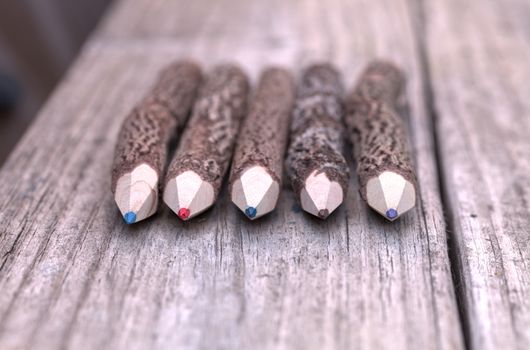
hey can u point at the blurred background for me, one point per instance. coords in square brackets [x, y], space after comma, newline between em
[38, 40]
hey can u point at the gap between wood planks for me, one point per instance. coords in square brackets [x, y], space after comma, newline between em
[417, 7]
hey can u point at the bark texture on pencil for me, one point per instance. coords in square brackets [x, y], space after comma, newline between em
[255, 180]
[196, 173]
[378, 133]
[141, 149]
[315, 163]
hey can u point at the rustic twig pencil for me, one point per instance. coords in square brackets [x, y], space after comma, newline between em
[195, 175]
[255, 180]
[142, 143]
[315, 164]
[386, 174]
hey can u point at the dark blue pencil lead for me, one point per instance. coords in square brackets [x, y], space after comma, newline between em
[251, 212]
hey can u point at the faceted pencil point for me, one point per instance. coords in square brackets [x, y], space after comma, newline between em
[130, 217]
[251, 212]
[188, 195]
[323, 213]
[136, 193]
[320, 196]
[183, 213]
[390, 194]
[255, 192]
[391, 213]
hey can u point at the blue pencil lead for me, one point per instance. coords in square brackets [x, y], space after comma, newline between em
[251, 212]
[130, 217]
[391, 213]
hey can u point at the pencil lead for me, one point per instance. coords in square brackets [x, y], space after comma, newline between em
[251, 212]
[323, 213]
[184, 213]
[129, 217]
[391, 213]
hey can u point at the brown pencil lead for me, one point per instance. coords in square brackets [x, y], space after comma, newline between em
[323, 213]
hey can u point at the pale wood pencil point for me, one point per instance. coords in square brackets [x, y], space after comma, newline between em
[255, 192]
[390, 194]
[137, 193]
[320, 196]
[188, 195]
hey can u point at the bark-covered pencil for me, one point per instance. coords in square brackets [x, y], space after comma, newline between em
[140, 153]
[317, 169]
[256, 175]
[384, 165]
[195, 175]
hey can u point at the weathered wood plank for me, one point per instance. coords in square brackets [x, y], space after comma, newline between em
[73, 275]
[477, 55]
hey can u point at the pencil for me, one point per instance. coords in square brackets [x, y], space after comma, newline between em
[384, 165]
[196, 172]
[316, 167]
[140, 153]
[255, 179]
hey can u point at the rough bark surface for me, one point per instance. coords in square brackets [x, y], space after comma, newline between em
[264, 134]
[317, 130]
[208, 142]
[374, 126]
[145, 134]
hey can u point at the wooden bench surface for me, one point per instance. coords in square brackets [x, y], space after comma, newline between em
[454, 273]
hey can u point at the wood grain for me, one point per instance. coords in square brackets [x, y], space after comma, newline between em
[477, 56]
[74, 276]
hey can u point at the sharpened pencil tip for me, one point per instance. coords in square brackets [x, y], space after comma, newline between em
[188, 195]
[251, 212]
[255, 188]
[130, 217]
[320, 196]
[184, 213]
[391, 213]
[390, 194]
